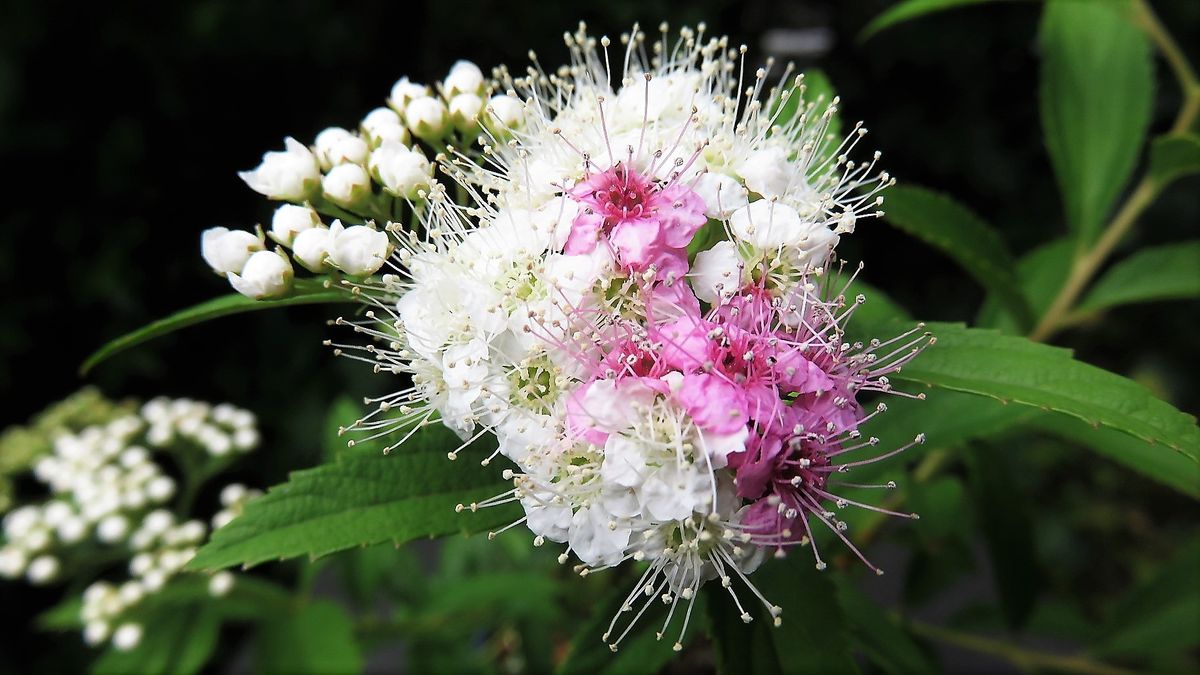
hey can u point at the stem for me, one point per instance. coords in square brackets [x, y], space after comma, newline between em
[1088, 262]
[1018, 656]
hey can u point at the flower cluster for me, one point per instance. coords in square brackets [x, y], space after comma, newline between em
[378, 172]
[636, 294]
[107, 489]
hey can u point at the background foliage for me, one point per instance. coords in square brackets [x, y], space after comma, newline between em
[125, 124]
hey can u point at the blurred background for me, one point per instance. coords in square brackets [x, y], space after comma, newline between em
[123, 125]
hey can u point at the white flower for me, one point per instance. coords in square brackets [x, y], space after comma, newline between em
[382, 125]
[113, 528]
[405, 91]
[127, 636]
[226, 251]
[267, 274]
[95, 632]
[464, 78]
[291, 175]
[220, 584]
[402, 171]
[72, 530]
[427, 118]
[504, 113]
[768, 225]
[380, 117]
[346, 185]
[232, 494]
[338, 146]
[311, 248]
[12, 562]
[464, 112]
[768, 172]
[357, 250]
[42, 569]
[722, 194]
[717, 272]
[290, 220]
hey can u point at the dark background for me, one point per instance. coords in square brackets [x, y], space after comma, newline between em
[122, 126]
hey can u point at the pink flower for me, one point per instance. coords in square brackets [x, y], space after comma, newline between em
[647, 223]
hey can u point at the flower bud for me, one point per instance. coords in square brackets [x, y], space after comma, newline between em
[504, 113]
[464, 112]
[290, 220]
[220, 584]
[267, 274]
[227, 250]
[401, 171]
[291, 175]
[388, 133]
[127, 636]
[311, 249]
[403, 92]
[427, 117]
[464, 78]
[42, 569]
[380, 117]
[346, 185]
[357, 250]
[337, 146]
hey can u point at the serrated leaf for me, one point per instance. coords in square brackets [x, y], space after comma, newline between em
[361, 499]
[1041, 273]
[1006, 520]
[953, 229]
[1159, 273]
[304, 292]
[907, 10]
[318, 638]
[812, 637]
[886, 644]
[1169, 468]
[1096, 89]
[1014, 369]
[1172, 157]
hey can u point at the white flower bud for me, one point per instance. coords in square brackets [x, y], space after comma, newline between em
[717, 272]
[36, 540]
[290, 220]
[357, 250]
[291, 175]
[337, 146]
[504, 113]
[72, 530]
[157, 521]
[191, 532]
[226, 251]
[464, 78]
[55, 512]
[220, 584]
[403, 92]
[389, 133]
[95, 632]
[131, 592]
[402, 171]
[380, 117]
[427, 118]
[42, 569]
[20, 521]
[311, 248]
[127, 636]
[222, 518]
[134, 456]
[154, 579]
[140, 564]
[267, 274]
[12, 562]
[160, 489]
[346, 185]
[464, 112]
[245, 439]
[112, 528]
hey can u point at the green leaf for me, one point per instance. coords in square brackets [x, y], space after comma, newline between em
[1096, 94]
[1006, 368]
[811, 638]
[1169, 468]
[179, 640]
[641, 651]
[319, 638]
[304, 292]
[911, 9]
[1041, 273]
[1173, 156]
[953, 229]
[1159, 273]
[886, 644]
[363, 498]
[1160, 615]
[62, 617]
[1005, 514]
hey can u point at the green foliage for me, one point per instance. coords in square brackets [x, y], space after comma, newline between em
[315, 638]
[363, 498]
[304, 292]
[176, 640]
[906, 10]
[1173, 157]
[1041, 273]
[888, 646]
[1159, 273]
[1096, 95]
[950, 227]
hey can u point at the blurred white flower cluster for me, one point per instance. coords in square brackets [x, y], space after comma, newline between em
[378, 173]
[110, 500]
